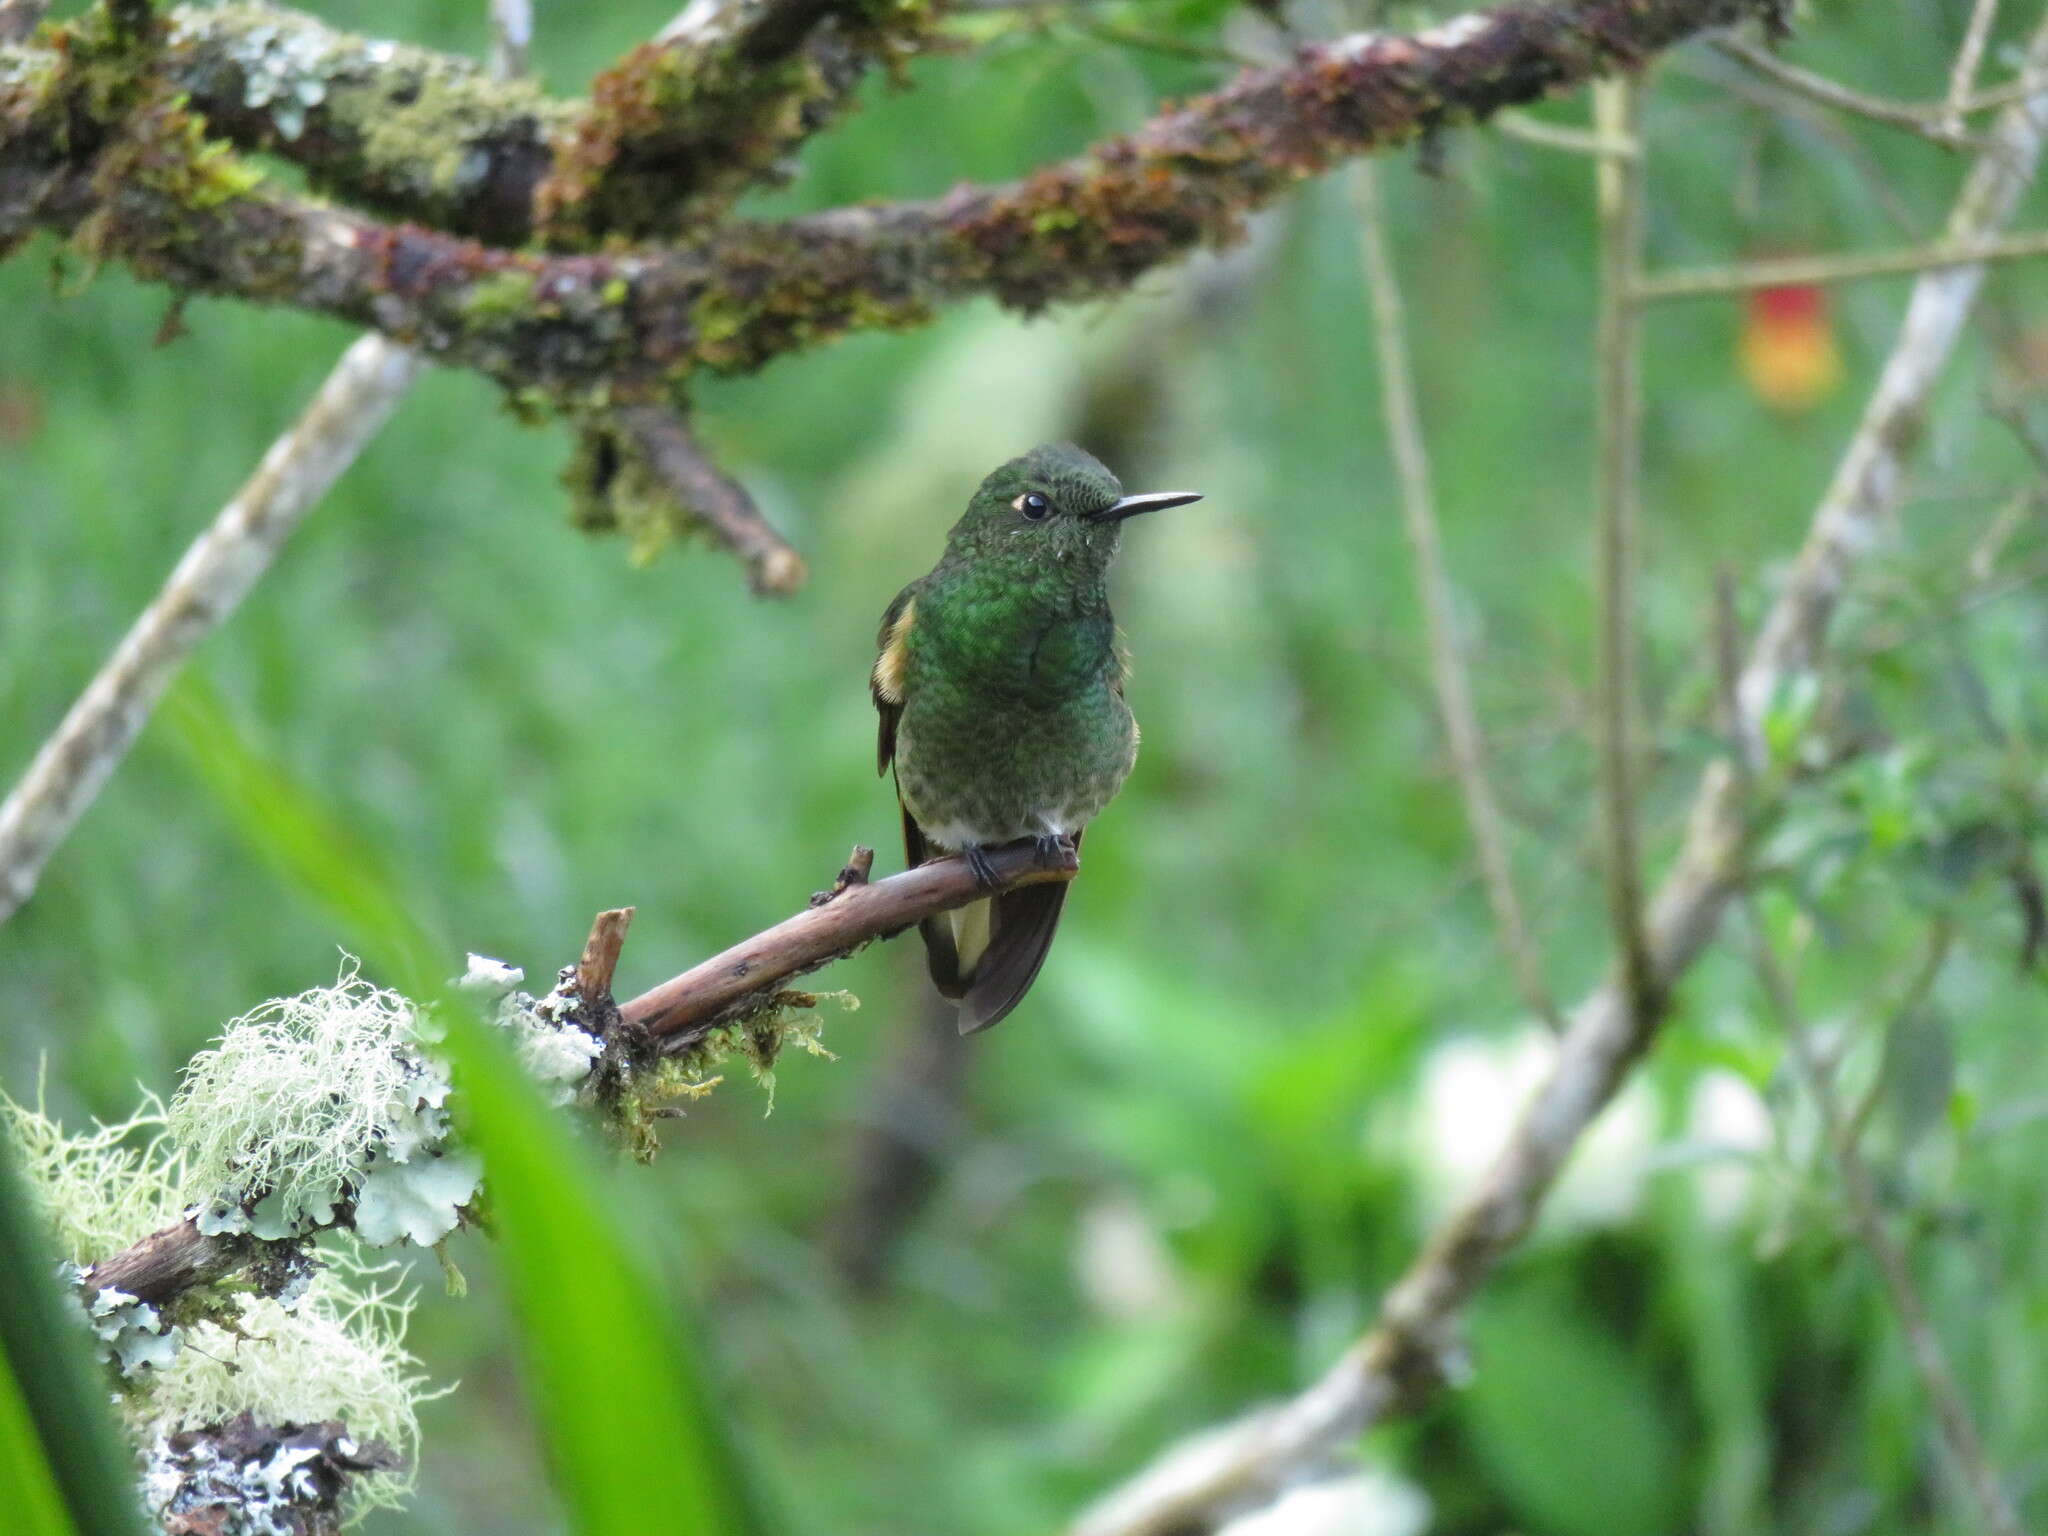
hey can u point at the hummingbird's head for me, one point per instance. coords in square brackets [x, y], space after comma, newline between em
[1056, 502]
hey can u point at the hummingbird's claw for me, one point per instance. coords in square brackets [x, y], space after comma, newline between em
[1056, 850]
[984, 872]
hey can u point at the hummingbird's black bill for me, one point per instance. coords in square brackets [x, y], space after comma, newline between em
[1155, 501]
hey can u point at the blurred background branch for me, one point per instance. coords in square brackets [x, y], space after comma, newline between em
[1411, 1349]
[216, 573]
[1410, 454]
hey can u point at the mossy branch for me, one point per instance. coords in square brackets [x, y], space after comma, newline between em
[599, 328]
[670, 134]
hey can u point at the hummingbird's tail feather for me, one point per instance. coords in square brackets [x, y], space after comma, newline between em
[941, 958]
[1021, 924]
[985, 955]
[941, 955]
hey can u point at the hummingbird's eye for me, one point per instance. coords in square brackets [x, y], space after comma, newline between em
[1032, 505]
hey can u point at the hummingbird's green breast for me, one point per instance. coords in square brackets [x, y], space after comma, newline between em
[1014, 723]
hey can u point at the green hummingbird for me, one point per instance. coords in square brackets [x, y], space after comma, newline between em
[1000, 687]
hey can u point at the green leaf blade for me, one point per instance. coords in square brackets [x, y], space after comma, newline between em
[635, 1432]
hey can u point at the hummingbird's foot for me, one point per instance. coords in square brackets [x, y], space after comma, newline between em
[1056, 850]
[984, 872]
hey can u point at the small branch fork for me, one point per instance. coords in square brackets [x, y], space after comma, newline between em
[713, 499]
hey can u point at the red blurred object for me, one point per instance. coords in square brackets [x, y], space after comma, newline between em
[1789, 354]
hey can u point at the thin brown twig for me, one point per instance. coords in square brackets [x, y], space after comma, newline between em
[1417, 500]
[1710, 282]
[1930, 1360]
[1617, 417]
[713, 498]
[1795, 113]
[1962, 80]
[600, 958]
[1913, 117]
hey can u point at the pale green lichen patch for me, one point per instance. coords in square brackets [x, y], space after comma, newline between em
[317, 1100]
[406, 129]
[100, 1190]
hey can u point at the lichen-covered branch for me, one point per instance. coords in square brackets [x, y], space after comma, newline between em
[681, 126]
[745, 293]
[244, 1475]
[393, 128]
[677, 1015]
[1194, 1486]
[669, 135]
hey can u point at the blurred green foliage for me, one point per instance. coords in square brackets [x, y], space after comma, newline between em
[1276, 1036]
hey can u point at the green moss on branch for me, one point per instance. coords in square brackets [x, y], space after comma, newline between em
[400, 130]
[593, 332]
[671, 134]
[678, 128]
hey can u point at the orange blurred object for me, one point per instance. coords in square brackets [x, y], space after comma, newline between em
[1788, 348]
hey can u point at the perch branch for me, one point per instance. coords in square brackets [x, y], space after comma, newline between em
[683, 1008]
[748, 292]
[1866, 1211]
[678, 1012]
[211, 580]
[1446, 659]
[1244, 1463]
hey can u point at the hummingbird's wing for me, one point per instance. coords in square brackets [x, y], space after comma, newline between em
[885, 684]
[892, 662]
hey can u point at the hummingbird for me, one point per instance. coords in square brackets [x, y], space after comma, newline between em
[1000, 686]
